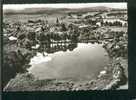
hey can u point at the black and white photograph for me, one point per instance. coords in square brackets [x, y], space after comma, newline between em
[65, 47]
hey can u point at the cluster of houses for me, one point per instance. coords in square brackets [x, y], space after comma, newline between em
[103, 18]
[86, 23]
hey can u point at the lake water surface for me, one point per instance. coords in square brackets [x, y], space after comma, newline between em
[84, 62]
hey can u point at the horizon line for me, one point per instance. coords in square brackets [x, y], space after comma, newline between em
[64, 5]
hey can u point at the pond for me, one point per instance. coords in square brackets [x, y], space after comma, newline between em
[83, 62]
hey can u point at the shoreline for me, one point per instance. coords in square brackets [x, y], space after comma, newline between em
[33, 84]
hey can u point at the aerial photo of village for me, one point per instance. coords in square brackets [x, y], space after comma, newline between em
[65, 47]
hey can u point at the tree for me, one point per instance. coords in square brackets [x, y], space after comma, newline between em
[63, 27]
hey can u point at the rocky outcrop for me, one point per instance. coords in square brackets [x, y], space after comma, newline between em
[15, 61]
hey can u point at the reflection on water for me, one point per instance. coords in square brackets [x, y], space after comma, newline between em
[57, 46]
[69, 60]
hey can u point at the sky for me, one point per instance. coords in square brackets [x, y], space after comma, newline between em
[62, 5]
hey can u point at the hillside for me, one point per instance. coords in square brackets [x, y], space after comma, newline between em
[55, 10]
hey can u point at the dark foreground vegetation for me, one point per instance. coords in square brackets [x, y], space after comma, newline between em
[23, 39]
